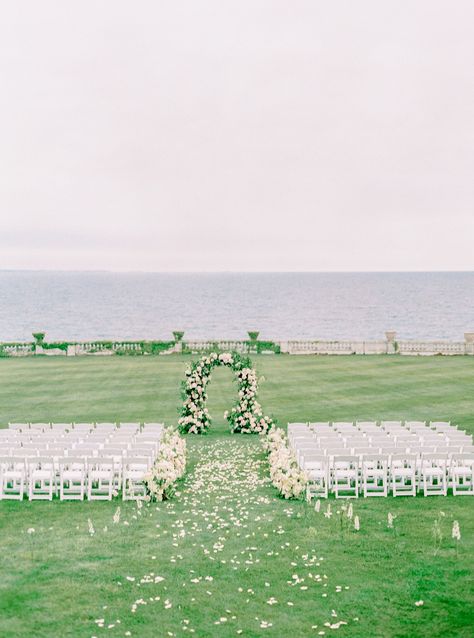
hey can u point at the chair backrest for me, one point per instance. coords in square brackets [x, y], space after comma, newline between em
[100, 463]
[313, 461]
[139, 451]
[72, 462]
[415, 424]
[342, 461]
[18, 426]
[13, 462]
[440, 424]
[136, 463]
[463, 458]
[84, 427]
[403, 460]
[364, 451]
[374, 460]
[391, 424]
[40, 462]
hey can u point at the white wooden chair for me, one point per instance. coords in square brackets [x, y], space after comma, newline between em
[100, 478]
[41, 478]
[403, 467]
[134, 470]
[461, 473]
[433, 474]
[72, 478]
[12, 478]
[345, 476]
[317, 468]
[374, 475]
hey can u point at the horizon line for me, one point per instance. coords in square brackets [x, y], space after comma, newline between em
[224, 272]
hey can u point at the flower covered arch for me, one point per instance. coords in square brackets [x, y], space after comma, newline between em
[246, 416]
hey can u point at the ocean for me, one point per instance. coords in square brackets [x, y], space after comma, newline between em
[110, 305]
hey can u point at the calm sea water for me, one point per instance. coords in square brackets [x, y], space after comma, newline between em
[101, 305]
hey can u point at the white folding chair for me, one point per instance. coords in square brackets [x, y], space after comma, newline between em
[41, 478]
[100, 478]
[72, 478]
[12, 477]
[403, 467]
[134, 470]
[317, 468]
[461, 473]
[345, 479]
[374, 475]
[433, 474]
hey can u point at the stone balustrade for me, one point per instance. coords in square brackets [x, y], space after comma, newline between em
[390, 345]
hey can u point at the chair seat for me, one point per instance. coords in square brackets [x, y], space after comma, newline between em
[42, 474]
[13, 474]
[101, 474]
[135, 474]
[72, 475]
[433, 471]
[346, 474]
[402, 471]
[463, 471]
[315, 474]
[375, 472]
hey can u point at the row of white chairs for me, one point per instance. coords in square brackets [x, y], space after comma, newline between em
[377, 475]
[80, 427]
[73, 478]
[327, 437]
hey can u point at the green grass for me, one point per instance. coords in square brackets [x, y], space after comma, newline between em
[59, 580]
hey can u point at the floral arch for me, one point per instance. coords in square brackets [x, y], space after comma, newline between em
[246, 416]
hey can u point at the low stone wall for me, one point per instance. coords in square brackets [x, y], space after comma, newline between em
[389, 345]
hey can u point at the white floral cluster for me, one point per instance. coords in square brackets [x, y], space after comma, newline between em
[246, 416]
[169, 466]
[285, 473]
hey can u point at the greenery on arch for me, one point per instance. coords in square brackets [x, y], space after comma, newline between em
[246, 416]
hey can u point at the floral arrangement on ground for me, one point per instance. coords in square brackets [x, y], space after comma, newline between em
[169, 466]
[246, 416]
[285, 473]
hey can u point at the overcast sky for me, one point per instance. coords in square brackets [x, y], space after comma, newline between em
[237, 135]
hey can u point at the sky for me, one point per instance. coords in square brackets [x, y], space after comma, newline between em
[247, 135]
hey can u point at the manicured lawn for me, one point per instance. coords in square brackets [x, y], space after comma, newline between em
[227, 547]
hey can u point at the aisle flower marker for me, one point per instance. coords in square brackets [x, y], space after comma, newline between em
[246, 416]
[168, 468]
[285, 473]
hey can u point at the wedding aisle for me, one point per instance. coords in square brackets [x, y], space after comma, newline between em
[219, 563]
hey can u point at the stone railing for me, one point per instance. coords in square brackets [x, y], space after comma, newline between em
[389, 345]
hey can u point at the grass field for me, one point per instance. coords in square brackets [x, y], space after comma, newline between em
[234, 558]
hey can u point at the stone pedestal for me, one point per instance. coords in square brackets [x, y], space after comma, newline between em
[71, 350]
[469, 342]
[391, 335]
